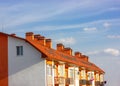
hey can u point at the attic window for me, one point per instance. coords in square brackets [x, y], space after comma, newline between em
[19, 50]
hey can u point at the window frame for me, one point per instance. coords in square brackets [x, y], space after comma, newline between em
[19, 50]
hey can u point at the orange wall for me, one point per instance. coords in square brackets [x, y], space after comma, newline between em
[3, 60]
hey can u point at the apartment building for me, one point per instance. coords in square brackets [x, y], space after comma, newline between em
[31, 61]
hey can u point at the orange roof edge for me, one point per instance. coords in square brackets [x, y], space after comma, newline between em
[49, 53]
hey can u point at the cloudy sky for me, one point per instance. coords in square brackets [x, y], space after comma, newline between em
[89, 26]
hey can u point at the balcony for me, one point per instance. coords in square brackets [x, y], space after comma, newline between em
[59, 80]
[62, 80]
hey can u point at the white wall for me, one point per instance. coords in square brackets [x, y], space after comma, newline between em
[26, 70]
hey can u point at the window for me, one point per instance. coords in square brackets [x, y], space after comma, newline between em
[71, 72]
[49, 70]
[19, 50]
[83, 74]
[61, 70]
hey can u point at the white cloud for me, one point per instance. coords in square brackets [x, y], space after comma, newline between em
[75, 26]
[90, 29]
[114, 36]
[106, 25]
[66, 41]
[112, 51]
[24, 13]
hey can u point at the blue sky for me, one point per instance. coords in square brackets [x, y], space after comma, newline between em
[89, 26]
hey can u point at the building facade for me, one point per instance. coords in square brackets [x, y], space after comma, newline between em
[31, 61]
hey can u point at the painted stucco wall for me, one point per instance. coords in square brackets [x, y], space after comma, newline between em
[3, 60]
[26, 70]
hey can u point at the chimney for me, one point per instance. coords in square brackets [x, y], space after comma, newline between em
[87, 58]
[36, 37]
[68, 51]
[13, 34]
[60, 47]
[48, 43]
[30, 36]
[42, 40]
[77, 54]
[84, 57]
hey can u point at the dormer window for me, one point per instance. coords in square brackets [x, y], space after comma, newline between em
[19, 50]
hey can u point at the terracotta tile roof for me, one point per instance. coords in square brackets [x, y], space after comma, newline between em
[52, 54]
[60, 56]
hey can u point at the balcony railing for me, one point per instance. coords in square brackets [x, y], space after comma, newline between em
[69, 81]
[85, 82]
[82, 82]
[59, 80]
[97, 83]
[62, 80]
